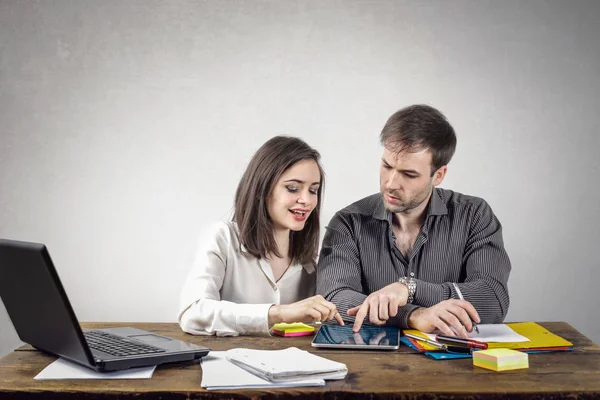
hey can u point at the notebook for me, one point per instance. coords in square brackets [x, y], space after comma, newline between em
[220, 374]
[42, 315]
[286, 365]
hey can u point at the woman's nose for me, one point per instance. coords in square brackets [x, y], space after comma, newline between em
[304, 198]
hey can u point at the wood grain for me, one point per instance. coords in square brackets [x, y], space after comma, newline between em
[401, 374]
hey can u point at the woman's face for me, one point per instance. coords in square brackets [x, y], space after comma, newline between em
[294, 196]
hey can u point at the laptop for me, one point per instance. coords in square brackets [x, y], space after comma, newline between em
[42, 315]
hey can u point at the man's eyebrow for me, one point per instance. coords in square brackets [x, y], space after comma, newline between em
[410, 171]
[302, 182]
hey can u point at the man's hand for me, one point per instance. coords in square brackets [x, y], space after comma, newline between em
[313, 309]
[380, 305]
[445, 316]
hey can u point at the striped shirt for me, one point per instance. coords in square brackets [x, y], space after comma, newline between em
[460, 242]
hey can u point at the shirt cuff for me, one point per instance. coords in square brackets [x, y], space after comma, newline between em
[252, 318]
[429, 294]
[401, 319]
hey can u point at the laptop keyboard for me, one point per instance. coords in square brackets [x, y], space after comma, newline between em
[116, 345]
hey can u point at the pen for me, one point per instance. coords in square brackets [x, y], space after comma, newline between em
[460, 296]
[445, 347]
[474, 344]
[428, 341]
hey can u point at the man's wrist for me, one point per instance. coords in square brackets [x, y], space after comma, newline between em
[402, 290]
[413, 317]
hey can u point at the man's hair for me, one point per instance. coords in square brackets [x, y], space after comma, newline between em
[420, 127]
[267, 165]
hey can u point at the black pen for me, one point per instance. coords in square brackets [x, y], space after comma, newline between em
[475, 328]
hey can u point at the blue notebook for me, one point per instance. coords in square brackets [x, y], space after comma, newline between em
[436, 355]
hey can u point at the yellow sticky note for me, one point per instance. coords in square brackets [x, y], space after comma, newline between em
[500, 359]
[294, 329]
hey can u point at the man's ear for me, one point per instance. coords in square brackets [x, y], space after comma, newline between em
[438, 176]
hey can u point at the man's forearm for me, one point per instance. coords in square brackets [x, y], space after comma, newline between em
[489, 297]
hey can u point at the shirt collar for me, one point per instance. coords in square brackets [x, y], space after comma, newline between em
[309, 268]
[437, 206]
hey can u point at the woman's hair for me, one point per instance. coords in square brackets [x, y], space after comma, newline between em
[267, 165]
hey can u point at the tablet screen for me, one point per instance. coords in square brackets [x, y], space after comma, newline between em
[368, 337]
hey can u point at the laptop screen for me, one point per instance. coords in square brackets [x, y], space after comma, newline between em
[37, 303]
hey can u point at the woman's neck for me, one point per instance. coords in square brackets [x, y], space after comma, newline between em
[282, 240]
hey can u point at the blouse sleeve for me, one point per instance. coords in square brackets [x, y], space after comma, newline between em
[201, 311]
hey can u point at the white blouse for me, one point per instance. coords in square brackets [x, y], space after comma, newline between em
[228, 293]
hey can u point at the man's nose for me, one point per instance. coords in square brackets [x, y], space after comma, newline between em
[391, 181]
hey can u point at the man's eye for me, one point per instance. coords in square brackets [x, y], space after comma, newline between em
[292, 189]
[387, 166]
[410, 176]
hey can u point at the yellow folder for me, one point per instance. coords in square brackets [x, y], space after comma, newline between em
[540, 338]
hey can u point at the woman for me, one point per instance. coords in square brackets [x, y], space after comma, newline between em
[259, 269]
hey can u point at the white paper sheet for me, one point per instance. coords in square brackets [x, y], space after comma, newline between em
[62, 369]
[492, 333]
[219, 374]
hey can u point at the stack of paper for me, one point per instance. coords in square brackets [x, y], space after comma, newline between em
[286, 365]
[500, 359]
[499, 333]
[63, 369]
[220, 374]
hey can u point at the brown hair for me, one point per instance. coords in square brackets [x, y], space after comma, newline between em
[267, 165]
[420, 127]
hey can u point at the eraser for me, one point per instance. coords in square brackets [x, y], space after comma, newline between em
[500, 359]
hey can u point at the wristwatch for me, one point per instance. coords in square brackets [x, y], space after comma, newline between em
[411, 284]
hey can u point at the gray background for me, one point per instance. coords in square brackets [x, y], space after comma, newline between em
[125, 127]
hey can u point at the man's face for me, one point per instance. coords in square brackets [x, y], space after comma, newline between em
[405, 179]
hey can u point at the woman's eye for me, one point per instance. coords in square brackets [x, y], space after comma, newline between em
[314, 191]
[292, 189]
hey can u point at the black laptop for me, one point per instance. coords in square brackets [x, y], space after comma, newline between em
[43, 317]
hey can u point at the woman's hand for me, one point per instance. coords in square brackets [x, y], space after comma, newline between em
[309, 310]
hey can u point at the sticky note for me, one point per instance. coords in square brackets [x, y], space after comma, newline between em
[500, 359]
[295, 329]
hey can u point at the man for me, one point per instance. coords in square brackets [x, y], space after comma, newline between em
[407, 255]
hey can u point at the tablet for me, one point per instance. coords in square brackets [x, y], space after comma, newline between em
[368, 337]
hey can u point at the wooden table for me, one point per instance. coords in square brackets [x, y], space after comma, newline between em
[402, 374]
